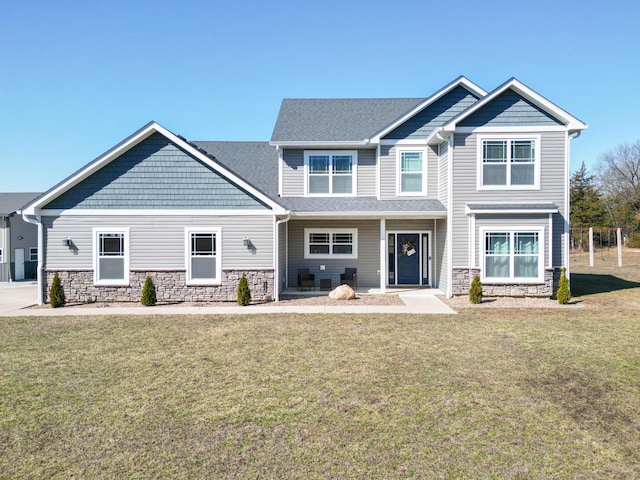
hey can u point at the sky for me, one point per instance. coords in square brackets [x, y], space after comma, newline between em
[77, 77]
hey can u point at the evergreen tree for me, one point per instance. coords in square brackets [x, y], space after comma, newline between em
[57, 297]
[148, 298]
[475, 291]
[587, 204]
[564, 292]
[244, 294]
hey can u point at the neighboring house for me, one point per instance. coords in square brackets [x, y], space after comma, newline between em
[412, 192]
[18, 239]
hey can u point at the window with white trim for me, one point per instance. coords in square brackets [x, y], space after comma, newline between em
[330, 173]
[411, 172]
[33, 254]
[513, 255]
[111, 256]
[330, 243]
[1, 256]
[203, 259]
[509, 163]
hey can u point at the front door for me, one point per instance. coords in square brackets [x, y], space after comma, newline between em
[19, 263]
[408, 258]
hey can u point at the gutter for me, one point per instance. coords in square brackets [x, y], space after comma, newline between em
[276, 262]
[36, 220]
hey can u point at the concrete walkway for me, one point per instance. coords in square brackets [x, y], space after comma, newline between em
[16, 298]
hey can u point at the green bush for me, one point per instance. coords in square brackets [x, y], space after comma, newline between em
[244, 294]
[57, 297]
[475, 291]
[148, 298]
[564, 292]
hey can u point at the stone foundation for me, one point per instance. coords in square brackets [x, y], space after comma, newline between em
[170, 287]
[462, 281]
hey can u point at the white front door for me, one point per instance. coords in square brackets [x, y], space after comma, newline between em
[19, 263]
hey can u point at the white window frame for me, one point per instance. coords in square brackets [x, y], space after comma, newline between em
[188, 231]
[511, 231]
[331, 231]
[331, 154]
[423, 190]
[509, 138]
[31, 254]
[1, 255]
[96, 255]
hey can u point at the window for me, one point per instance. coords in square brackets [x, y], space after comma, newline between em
[330, 173]
[411, 173]
[111, 256]
[33, 254]
[330, 243]
[1, 256]
[203, 263]
[513, 255]
[509, 163]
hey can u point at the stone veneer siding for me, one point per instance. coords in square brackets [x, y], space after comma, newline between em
[170, 286]
[462, 281]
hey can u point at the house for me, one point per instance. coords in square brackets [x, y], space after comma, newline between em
[424, 192]
[18, 239]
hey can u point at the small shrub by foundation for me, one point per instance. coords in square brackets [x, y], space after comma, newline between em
[564, 291]
[475, 291]
[148, 298]
[57, 297]
[244, 294]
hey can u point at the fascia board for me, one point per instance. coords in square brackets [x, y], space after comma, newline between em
[320, 144]
[460, 81]
[572, 123]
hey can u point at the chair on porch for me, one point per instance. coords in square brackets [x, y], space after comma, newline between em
[350, 277]
[306, 279]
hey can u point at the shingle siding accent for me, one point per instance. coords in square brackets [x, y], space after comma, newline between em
[445, 108]
[509, 109]
[156, 174]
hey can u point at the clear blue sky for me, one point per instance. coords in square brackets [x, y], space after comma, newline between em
[76, 77]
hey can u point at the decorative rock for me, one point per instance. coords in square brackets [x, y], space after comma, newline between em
[343, 292]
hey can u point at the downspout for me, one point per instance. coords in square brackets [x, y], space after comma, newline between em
[567, 206]
[276, 283]
[40, 268]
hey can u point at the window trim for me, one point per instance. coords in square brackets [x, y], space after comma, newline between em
[511, 231]
[1, 255]
[217, 280]
[509, 138]
[331, 154]
[331, 231]
[399, 152]
[31, 249]
[97, 231]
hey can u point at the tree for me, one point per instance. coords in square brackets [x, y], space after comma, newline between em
[587, 205]
[148, 298]
[619, 177]
[57, 297]
[244, 294]
[564, 291]
[475, 291]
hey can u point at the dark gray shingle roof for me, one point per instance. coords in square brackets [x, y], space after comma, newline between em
[337, 120]
[360, 204]
[10, 202]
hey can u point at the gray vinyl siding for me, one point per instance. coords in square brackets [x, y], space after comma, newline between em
[440, 257]
[443, 174]
[158, 242]
[465, 167]
[389, 171]
[367, 263]
[293, 173]
[509, 109]
[156, 174]
[445, 108]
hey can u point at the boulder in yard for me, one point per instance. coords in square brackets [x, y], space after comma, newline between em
[343, 292]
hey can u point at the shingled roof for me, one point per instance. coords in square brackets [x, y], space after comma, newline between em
[11, 202]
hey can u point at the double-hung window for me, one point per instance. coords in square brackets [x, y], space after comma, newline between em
[411, 174]
[330, 173]
[111, 256]
[513, 255]
[512, 163]
[330, 243]
[203, 259]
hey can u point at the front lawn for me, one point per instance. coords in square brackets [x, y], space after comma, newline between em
[483, 394]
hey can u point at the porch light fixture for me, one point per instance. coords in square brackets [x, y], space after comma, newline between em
[66, 242]
[246, 242]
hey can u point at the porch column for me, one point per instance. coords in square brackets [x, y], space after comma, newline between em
[383, 255]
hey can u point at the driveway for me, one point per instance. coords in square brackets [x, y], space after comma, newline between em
[17, 295]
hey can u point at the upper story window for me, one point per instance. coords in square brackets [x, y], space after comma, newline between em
[330, 243]
[330, 173]
[111, 256]
[411, 172]
[509, 162]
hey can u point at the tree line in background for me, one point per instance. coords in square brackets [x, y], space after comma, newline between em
[610, 197]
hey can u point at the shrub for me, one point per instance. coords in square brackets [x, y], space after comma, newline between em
[244, 294]
[564, 292]
[475, 291]
[57, 297]
[148, 298]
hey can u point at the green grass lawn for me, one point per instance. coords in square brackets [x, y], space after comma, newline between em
[484, 394]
